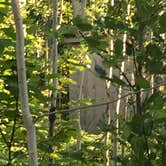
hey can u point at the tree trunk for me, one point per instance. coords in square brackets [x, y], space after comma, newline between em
[107, 134]
[27, 118]
[78, 114]
[55, 80]
[108, 108]
[78, 7]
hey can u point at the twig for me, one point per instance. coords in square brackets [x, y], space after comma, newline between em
[99, 104]
[126, 78]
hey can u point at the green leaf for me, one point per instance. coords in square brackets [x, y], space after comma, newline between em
[148, 127]
[144, 9]
[4, 7]
[44, 145]
[11, 113]
[162, 134]
[153, 100]
[136, 125]
[156, 101]
[154, 61]
[117, 80]
[5, 43]
[129, 50]
[161, 114]
[86, 102]
[142, 82]
[114, 61]
[82, 24]
[52, 34]
[92, 41]
[162, 22]
[154, 51]
[4, 96]
[9, 32]
[152, 155]
[76, 155]
[99, 69]
[118, 47]
[110, 23]
[50, 76]
[154, 67]
[105, 127]
[96, 42]
[68, 31]
[73, 61]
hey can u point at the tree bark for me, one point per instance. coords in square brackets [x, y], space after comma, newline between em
[52, 117]
[108, 109]
[78, 114]
[78, 7]
[21, 69]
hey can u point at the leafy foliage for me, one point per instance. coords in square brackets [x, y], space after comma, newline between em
[142, 136]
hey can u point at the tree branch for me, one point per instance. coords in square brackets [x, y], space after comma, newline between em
[99, 104]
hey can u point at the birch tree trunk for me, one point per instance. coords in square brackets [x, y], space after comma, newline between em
[107, 134]
[120, 91]
[108, 109]
[78, 114]
[118, 105]
[27, 118]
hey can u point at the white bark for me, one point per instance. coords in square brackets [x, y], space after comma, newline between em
[115, 149]
[118, 105]
[78, 114]
[108, 109]
[107, 134]
[28, 123]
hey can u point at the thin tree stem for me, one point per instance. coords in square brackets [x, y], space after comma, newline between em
[23, 90]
